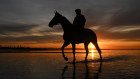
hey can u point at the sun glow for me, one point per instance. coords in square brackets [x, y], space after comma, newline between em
[92, 47]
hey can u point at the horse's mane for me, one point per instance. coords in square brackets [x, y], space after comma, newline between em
[66, 20]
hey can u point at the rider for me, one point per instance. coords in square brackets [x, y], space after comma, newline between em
[79, 20]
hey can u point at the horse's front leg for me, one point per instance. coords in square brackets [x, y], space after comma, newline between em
[64, 45]
[73, 46]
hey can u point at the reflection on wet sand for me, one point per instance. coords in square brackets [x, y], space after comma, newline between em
[63, 71]
[88, 71]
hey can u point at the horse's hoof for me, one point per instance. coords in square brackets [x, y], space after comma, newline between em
[101, 59]
[85, 61]
[66, 58]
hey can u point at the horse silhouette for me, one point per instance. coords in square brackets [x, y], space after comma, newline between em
[73, 36]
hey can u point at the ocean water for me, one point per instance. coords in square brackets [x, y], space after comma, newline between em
[116, 64]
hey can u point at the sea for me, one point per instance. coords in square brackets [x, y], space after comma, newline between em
[116, 64]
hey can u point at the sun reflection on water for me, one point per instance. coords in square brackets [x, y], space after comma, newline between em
[92, 53]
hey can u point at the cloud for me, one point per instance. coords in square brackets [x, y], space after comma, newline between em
[25, 33]
[22, 30]
[128, 15]
[31, 39]
[125, 29]
[116, 34]
[8, 28]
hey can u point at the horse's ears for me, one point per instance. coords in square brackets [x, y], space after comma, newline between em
[55, 11]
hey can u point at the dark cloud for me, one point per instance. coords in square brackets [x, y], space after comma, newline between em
[97, 12]
[6, 28]
[34, 39]
[128, 15]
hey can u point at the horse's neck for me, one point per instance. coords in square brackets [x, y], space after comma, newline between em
[66, 25]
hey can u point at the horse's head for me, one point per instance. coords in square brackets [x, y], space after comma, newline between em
[56, 19]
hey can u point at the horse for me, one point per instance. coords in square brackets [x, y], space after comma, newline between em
[73, 36]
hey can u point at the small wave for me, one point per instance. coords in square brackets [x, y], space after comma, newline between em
[106, 59]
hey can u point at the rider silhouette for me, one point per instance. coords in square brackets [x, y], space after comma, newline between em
[79, 20]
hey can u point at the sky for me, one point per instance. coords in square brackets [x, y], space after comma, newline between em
[25, 22]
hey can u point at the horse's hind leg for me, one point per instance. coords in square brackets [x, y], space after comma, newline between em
[64, 45]
[86, 47]
[99, 50]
